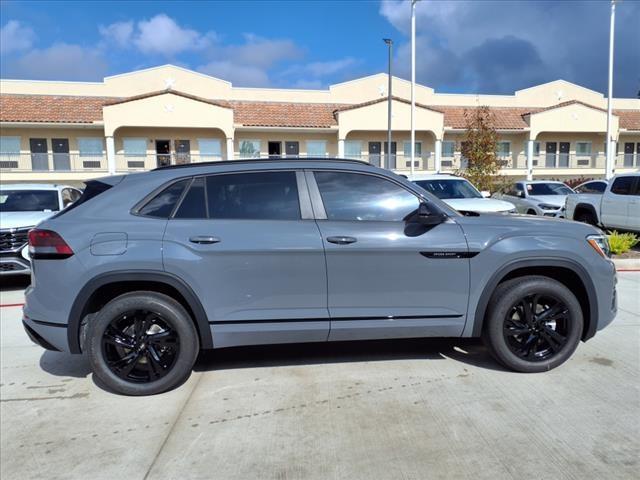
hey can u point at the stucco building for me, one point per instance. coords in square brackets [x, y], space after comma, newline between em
[70, 131]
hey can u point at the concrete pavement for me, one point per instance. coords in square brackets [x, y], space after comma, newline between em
[411, 409]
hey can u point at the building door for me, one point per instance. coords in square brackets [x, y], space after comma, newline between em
[163, 152]
[374, 153]
[628, 154]
[39, 155]
[390, 160]
[275, 149]
[563, 158]
[60, 148]
[183, 151]
[292, 149]
[550, 158]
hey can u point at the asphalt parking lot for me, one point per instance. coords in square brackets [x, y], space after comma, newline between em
[412, 409]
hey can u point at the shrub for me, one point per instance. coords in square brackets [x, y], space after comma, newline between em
[622, 242]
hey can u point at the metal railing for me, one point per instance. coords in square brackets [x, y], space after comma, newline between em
[129, 162]
[52, 162]
[628, 160]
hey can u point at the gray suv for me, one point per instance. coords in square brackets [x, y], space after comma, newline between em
[146, 270]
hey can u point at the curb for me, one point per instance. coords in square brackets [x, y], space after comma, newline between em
[627, 264]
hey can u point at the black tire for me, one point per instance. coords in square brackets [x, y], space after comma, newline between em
[531, 212]
[530, 347]
[142, 343]
[585, 217]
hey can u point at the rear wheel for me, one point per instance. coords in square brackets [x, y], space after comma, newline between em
[142, 343]
[531, 212]
[586, 217]
[533, 324]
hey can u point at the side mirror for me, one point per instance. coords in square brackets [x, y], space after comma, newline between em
[428, 215]
[520, 194]
[485, 194]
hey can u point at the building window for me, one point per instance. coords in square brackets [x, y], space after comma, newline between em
[352, 149]
[417, 148]
[135, 150]
[448, 148]
[90, 151]
[210, 149]
[9, 152]
[316, 148]
[249, 148]
[583, 149]
[536, 149]
[504, 149]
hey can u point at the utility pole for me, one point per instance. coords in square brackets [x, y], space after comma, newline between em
[610, 160]
[389, 43]
[413, 84]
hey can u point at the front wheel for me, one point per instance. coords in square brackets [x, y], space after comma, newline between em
[533, 324]
[142, 343]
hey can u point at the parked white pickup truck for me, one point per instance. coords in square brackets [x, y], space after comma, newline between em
[617, 207]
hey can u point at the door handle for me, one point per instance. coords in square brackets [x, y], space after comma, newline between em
[342, 240]
[204, 239]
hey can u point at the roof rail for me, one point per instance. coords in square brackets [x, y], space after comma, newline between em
[258, 160]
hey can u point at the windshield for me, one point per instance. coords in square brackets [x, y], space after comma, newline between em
[28, 200]
[447, 189]
[548, 189]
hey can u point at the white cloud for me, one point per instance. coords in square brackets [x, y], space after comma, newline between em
[60, 61]
[120, 33]
[158, 35]
[322, 69]
[15, 37]
[259, 51]
[161, 34]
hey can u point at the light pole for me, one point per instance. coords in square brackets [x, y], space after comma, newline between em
[389, 43]
[413, 83]
[609, 161]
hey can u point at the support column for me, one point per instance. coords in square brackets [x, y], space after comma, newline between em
[230, 152]
[610, 160]
[438, 164]
[530, 159]
[340, 148]
[111, 155]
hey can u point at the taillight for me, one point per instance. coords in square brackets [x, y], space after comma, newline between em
[47, 244]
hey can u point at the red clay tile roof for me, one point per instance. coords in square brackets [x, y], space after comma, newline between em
[629, 119]
[280, 114]
[83, 110]
[505, 118]
[342, 108]
[564, 104]
[51, 108]
[118, 101]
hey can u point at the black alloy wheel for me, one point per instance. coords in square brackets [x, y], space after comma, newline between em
[140, 346]
[537, 327]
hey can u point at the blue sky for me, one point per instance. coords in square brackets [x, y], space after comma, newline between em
[475, 46]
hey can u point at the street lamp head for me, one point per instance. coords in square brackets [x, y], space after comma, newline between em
[388, 41]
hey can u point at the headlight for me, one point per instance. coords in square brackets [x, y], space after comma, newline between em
[546, 206]
[600, 243]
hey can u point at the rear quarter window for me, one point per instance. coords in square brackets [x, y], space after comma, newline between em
[163, 204]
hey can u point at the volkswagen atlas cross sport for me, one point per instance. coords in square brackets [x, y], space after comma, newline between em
[147, 269]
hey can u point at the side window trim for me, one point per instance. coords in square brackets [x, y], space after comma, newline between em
[316, 197]
[304, 198]
[184, 193]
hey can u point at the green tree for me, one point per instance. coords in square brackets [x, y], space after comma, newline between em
[479, 149]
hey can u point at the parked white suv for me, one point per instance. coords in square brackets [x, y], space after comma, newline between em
[537, 197]
[618, 206]
[460, 194]
[22, 207]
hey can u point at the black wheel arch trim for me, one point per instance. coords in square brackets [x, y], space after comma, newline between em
[590, 208]
[78, 310]
[487, 292]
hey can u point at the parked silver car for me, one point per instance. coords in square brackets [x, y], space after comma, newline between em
[537, 197]
[23, 206]
[147, 269]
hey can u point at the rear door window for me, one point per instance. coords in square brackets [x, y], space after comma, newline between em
[253, 195]
[193, 204]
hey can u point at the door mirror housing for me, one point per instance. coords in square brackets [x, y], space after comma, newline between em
[485, 194]
[520, 194]
[429, 215]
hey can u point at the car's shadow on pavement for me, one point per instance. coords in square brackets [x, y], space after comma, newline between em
[469, 351]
